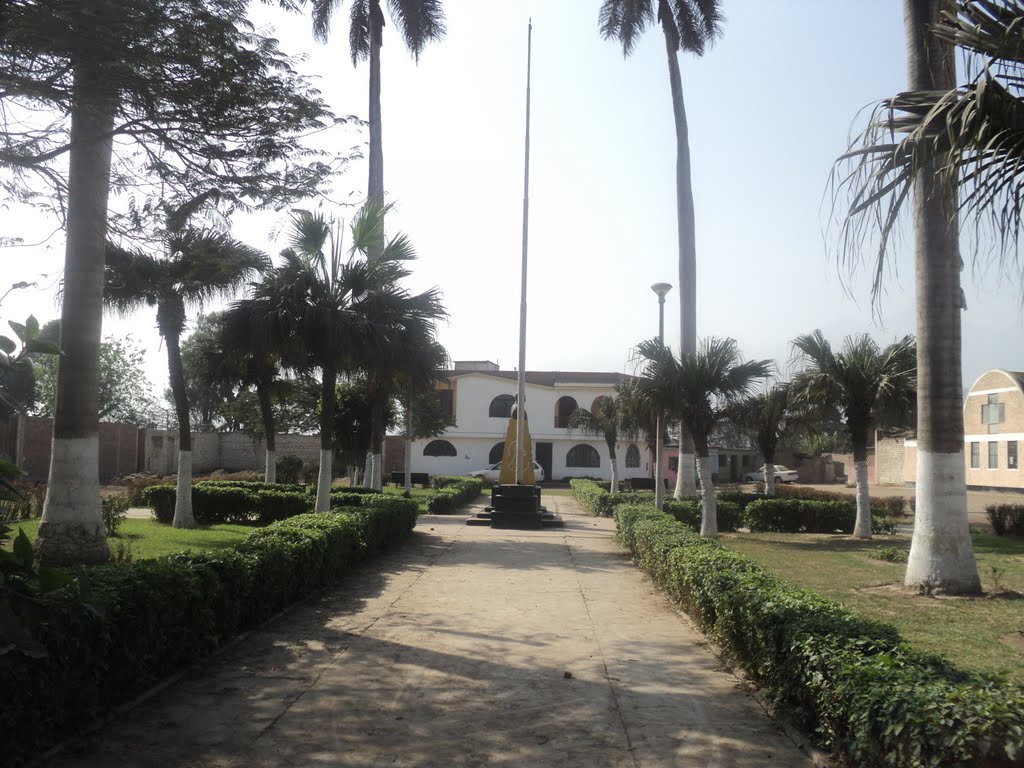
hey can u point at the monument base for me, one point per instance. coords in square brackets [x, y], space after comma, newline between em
[516, 506]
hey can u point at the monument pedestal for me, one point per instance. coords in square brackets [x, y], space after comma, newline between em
[516, 506]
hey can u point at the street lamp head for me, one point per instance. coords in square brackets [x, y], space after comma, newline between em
[661, 289]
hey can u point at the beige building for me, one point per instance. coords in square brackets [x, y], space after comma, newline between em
[993, 433]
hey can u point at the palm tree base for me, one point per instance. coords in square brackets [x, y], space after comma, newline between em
[71, 544]
[941, 553]
[72, 529]
[270, 472]
[686, 477]
[323, 483]
[183, 517]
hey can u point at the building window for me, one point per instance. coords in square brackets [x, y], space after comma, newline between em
[597, 403]
[446, 396]
[993, 413]
[439, 448]
[722, 459]
[501, 407]
[975, 456]
[497, 453]
[583, 456]
[564, 408]
[1011, 454]
[632, 457]
[993, 455]
[745, 460]
[673, 463]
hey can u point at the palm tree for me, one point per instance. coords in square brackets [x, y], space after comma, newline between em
[870, 386]
[200, 265]
[957, 147]
[418, 21]
[698, 388]
[324, 311]
[767, 418]
[638, 421]
[602, 421]
[691, 26]
[230, 356]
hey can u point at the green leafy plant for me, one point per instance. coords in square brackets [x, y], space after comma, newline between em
[114, 510]
[891, 554]
[289, 468]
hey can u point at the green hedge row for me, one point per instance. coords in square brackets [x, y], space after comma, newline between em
[154, 616]
[230, 503]
[598, 501]
[690, 511]
[887, 506]
[1006, 519]
[451, 493]
[806, 516]
[852, 682]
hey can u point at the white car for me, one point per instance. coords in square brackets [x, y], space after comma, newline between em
[782, 475]
[492, 472]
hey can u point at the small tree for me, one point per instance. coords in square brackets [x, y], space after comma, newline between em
[869, 385]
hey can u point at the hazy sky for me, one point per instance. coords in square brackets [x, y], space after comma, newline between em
[769, 107]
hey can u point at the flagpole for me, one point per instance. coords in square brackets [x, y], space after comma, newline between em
[521, 379]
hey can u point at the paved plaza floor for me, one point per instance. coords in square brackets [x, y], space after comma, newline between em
[466, 647]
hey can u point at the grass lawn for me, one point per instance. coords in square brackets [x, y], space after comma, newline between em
[984, 634]
[149, 539]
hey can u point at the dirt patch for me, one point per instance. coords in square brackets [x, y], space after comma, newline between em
[1015, 640]
[895, 589]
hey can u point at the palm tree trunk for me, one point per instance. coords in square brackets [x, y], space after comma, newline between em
[267, 414]
[375, 186]
[941, 553]
[659, 483]
[408, 444]
[769, 476]
[377, 443]
[686, 224]
[615, 470]
[183, 517]
[709, 508]
[328, 398]
[859, 438]
[72, 529]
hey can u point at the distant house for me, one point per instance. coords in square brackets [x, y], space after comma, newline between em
[480, 396]
[993, 433]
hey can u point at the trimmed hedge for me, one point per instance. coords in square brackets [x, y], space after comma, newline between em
[690, 512]
[887, 506]
[851, 681]
[232, 502]
[599, 502]
[156, 616]
[1006, 519]
[805, 516]
[452, 492]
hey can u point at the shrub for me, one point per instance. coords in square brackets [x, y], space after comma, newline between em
[884, 506]
[453, 493]
[222, 475]
[279, 505]
[891, 554]
[289, 468]
[776, 515]
[310, 472]
[591, 495]
[157, 615]
[1006, 519]
[161, 499]
[691, 512]
[232, 501]
[851, 681]
[27, 503]
[134, 485]
[114, 510]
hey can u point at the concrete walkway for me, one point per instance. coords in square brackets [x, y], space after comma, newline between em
[467, 647]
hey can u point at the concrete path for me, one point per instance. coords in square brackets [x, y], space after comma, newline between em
[468, 647]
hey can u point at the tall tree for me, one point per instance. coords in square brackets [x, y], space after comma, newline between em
[198, 266]
[869, 385]
[418, 21]
[638, 421]
[698, 388]
[691, 26]
[944, 150]
[602, 421]
[321, 310]
[194, 97]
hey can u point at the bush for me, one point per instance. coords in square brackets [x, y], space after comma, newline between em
[280, 505]
[223, 476]
[884, 506]
[134, 485]
[452, 493]
[591, 495]
[157, 615]
[776, 515]
[29, 501]
[114, 510]
[232, 501]
[691, 512]
[289, 468]
[161, 499]
[1006, 519]
[310, 472]
[891, 554]
[851, 681]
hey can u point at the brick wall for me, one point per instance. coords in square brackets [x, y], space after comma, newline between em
[890, 453]
[230, 451]
[119, 448]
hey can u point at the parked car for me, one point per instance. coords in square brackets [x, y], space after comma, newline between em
[782, 475]
[494, 470]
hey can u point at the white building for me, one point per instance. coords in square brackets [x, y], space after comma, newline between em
[480, 396]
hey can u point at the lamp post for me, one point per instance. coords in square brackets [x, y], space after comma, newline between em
[659, 484]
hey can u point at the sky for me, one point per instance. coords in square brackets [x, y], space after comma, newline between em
[770, 107]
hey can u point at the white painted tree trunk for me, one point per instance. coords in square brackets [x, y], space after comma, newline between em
[709, 509]
[941, 552]
[378, 471]
[769, 479]
[686, 475]
[368, 470]
[72, 530]
[323, 482]
[270, 473]
[659, 483]
[862, 529]
[183, 517]
[615, 474]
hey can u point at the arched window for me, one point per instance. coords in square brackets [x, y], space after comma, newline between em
[632, 457]
[563, 410]
[501, 407]
[597, 403]
[583, 455]
[439, 448]
[497, 453]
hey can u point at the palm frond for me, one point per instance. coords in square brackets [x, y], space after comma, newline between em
[625, 21]
[359, 30]
[419, 22]
[131, 279]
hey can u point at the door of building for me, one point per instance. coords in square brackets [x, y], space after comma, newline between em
[543, 457]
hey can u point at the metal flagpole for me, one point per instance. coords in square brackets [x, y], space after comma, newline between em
[521, 379]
